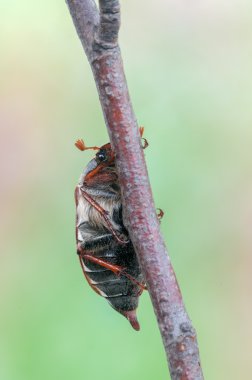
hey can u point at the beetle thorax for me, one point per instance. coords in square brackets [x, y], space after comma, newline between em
[87, 213]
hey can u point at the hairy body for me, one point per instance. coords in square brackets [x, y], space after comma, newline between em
[106, 253]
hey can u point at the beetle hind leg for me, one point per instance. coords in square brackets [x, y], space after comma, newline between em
[116, 269]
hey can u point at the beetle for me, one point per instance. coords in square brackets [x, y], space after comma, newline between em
[106, 253]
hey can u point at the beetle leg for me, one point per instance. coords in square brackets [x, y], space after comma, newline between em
[160, 214]
[105, 216]
[145, 143]
[116, 269]
[132, 279]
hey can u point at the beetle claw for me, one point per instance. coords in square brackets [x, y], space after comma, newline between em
[160, 214]
[145, 143]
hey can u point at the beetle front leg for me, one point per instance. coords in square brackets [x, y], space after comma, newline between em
[105, 216]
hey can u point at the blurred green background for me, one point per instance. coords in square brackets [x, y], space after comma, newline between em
[188, 66]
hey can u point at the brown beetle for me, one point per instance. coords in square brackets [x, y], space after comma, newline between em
[106, 254]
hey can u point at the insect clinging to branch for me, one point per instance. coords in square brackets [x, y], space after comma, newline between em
[106, 253]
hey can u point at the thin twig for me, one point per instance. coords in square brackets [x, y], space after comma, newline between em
[98, 32]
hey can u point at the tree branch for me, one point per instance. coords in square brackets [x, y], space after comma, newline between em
[98, 32]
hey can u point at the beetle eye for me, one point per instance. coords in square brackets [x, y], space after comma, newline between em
[101, 156]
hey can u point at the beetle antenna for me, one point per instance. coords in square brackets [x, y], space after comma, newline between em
[81, 146]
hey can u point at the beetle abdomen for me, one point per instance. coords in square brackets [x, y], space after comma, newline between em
[120, 291]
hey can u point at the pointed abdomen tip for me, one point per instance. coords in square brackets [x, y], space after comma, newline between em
[132, 318]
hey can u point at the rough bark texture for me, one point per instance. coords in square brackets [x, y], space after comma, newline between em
[98, 32]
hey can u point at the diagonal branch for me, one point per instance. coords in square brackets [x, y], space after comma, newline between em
[98, 32]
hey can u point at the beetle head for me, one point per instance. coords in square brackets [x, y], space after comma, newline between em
[100, 173]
